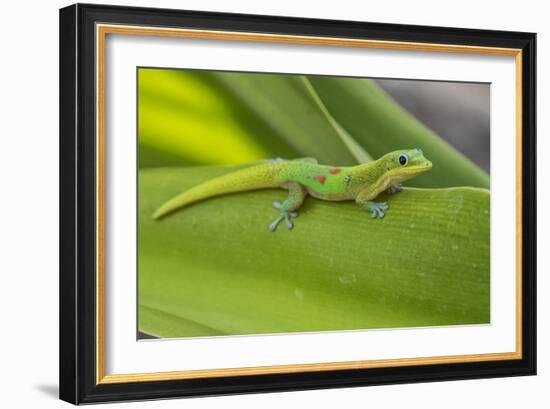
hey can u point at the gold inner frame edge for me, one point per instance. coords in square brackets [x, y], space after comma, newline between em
[101, 33]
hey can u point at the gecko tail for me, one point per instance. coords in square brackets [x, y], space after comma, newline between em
[258, 177]
[165, 209]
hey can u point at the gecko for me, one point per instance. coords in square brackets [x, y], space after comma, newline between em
[304, 176]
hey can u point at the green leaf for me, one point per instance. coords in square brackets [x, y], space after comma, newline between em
[214, 268]
[171, 325]
[356, 150]
[381, 125]
[287, 106]
[186, 118]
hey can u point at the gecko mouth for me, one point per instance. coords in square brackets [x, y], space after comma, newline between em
[419, 167]
[425, 166]
[411, 170]
[422, 164]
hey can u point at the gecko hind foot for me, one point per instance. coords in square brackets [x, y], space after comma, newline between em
[285, 215]
[377, 209]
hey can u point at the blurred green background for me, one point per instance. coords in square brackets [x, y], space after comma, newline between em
[215, 269]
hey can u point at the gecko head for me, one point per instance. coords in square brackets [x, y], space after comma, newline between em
[404, 164]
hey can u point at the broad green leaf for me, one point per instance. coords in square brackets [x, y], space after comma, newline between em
[356, 150]
[287, 106]
[183, 118]
[381, 125]
[214, 268]
[172, 325]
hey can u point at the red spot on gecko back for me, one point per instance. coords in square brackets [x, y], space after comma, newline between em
[321, 179]
[335, 171]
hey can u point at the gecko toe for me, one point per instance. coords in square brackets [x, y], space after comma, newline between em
[286, 216]
[377, 209]
[394, 189]
[273, 226]
[289, 224]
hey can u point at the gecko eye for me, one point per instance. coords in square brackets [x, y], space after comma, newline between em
[403, 159]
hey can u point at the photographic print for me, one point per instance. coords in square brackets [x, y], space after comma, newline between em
[277, 203]
[264, 203]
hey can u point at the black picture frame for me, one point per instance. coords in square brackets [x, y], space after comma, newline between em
[78, 354]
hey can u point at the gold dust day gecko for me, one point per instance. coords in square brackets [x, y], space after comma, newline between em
[302, 177]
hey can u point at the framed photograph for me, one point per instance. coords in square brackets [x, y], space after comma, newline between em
[257, 203]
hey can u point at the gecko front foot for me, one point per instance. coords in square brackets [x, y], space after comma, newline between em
[376, 208]
[394, 189]
[285, 215]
